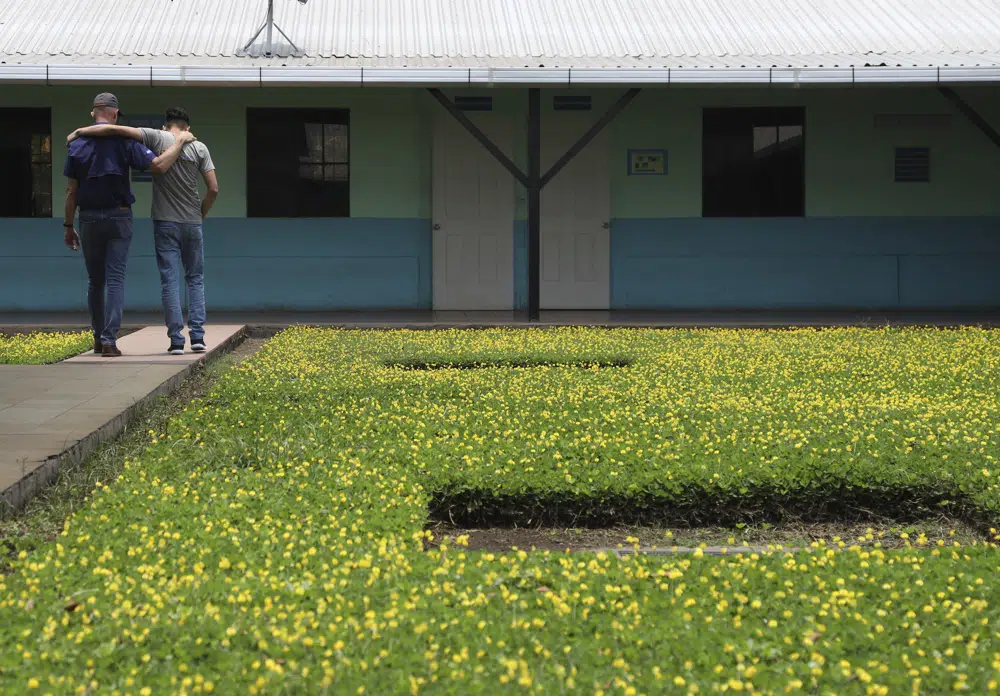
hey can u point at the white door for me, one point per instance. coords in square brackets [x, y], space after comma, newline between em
[575, 225]
[473, 199]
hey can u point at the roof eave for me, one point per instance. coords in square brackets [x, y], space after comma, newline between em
[209, 75]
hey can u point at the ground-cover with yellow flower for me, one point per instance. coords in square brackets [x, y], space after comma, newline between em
[272, 540]
[42, 347]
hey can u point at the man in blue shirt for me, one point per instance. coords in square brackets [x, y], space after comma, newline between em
[97, 173]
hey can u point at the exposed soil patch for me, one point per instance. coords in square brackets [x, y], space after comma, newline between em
[887, 533]
[479, 508]
[583, 364]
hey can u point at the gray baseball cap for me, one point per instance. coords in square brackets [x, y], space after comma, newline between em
[106, 99]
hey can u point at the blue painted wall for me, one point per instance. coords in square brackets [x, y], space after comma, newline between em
[357, 263]
[851, 263]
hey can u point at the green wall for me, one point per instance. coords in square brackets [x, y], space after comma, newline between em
[390, 147]
[848, 161]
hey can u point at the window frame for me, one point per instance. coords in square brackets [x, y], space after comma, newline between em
[259, 120]
[40, 169]
[744, 121]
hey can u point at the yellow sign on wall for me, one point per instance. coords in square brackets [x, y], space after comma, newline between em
[647, 162]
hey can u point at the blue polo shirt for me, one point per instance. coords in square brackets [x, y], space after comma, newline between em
[101, 165]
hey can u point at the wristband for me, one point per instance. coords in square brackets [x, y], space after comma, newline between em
[67, 225]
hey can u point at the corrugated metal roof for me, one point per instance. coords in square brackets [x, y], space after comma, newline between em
[509, 33]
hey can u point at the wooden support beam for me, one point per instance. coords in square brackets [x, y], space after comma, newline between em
[591, 133]
[480, 136]
[971, 114]
[534, 202]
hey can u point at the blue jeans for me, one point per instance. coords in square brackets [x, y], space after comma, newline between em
[179, 245]
[106, 236]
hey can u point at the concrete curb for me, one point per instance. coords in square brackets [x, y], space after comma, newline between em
[18, 495]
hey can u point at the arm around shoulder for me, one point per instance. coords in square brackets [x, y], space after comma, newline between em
[167, 158]
[104, 130]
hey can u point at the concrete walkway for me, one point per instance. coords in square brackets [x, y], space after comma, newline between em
[51, 414]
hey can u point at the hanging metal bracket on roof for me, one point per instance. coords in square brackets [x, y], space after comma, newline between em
[269, 25]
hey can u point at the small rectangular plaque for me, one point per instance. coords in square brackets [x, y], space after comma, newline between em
[647, 162]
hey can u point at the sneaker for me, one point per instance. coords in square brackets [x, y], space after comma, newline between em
[198, 345]
[110, 350]
[176, 349]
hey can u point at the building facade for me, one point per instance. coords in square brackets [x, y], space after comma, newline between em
[722, 194]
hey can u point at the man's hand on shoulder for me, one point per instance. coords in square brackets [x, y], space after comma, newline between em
[185, 137]
[72, 136]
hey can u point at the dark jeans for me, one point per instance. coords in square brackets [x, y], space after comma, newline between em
[106, 236]
[180, 246]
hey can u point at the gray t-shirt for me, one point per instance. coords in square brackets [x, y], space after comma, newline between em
[175, 192]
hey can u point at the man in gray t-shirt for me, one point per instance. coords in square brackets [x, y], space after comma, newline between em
[175, 192]
[178, 212]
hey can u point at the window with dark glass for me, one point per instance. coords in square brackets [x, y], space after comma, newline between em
[298, 163]
[26, 154]
[753, 162]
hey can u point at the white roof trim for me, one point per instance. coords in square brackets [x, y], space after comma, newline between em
[207, 75]
[508, 34]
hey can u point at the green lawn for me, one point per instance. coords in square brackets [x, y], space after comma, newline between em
[43, 347]
[272, 540]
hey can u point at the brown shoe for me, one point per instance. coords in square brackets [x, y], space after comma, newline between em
[110, 351]
[98, 348]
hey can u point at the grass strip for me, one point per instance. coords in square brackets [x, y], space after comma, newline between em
[40, 348]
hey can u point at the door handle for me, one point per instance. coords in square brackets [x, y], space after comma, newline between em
[437, 226]
[606, 225]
